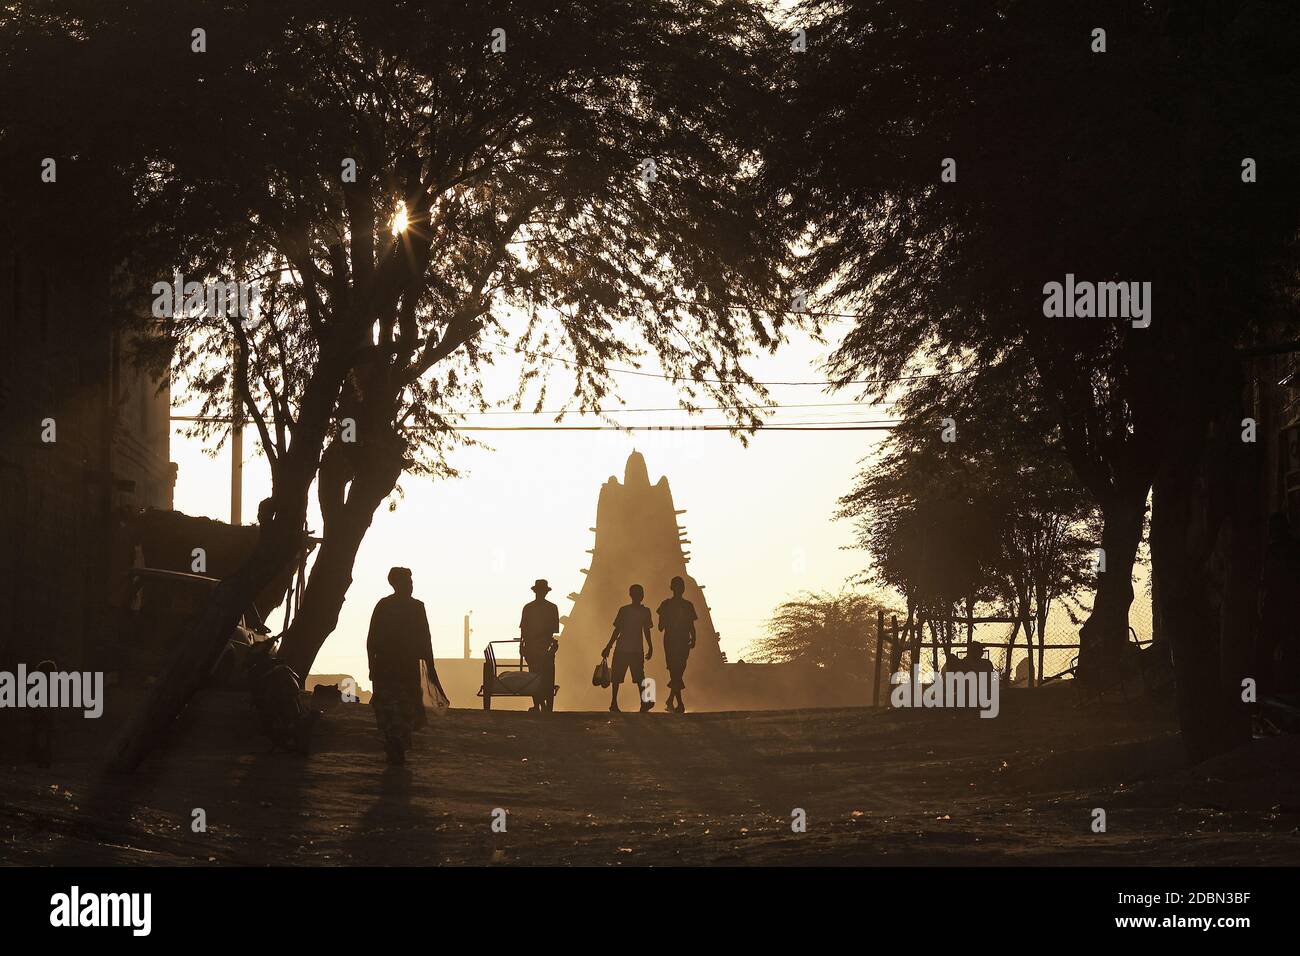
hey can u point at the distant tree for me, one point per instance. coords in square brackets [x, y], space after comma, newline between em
[832, 631]
[929, 537]
[1045, 547]
[995, 517]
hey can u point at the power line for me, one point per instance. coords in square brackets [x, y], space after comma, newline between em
[795, 427]
[829, 426]
[701, 408]
[745, 308]
[722, 381]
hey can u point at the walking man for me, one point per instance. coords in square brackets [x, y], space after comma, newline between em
[677, 622]
[538, 625]
[631, 626]
[398, 642]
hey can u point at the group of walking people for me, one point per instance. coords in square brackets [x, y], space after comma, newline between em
[540, 623]
[402, 671]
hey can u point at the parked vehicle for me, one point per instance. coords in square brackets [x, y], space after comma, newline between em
[156, 609]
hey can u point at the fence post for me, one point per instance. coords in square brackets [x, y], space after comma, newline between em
[896, 651]
[880, 638]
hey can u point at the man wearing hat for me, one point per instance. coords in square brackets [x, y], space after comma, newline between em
[538, 626]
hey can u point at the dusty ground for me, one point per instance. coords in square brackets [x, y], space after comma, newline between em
[878, 788]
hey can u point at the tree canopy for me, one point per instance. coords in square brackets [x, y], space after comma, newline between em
[834, 631]
[419, 189]
[960, 157]
[994, 516]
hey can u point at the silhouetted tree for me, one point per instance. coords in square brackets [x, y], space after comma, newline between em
[605, 252]
[600, 177]
[833, 631]
[1046, 523]
[1117, 166]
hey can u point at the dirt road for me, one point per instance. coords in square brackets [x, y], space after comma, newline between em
[901, 787]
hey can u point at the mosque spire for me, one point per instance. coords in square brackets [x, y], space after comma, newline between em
[635, 472]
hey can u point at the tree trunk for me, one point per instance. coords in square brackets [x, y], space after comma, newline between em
[1247, 477]
[1189, 616]
[1029, 651]
[1200, 519]
[190, 661]
[918, 635]
[1238, 617]
[896, 646]
[353, 484]
[1042, 608]
[279, 541]
[1158, 635]
[1103, 636]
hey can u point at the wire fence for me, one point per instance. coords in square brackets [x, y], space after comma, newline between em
[1059, 648]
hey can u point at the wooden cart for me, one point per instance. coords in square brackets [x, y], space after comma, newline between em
[507, 679]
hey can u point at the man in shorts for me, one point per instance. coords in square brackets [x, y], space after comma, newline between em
[631, 626]
[677, 621]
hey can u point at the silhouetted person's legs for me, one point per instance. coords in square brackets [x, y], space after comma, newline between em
[532, 657]
[627, 665]
[621, 666]
[676, 650]
[548, 673]
[638, 681]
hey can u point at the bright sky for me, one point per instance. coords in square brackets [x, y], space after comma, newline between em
[759, 518]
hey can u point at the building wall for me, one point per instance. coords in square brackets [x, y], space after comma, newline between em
[63, 503]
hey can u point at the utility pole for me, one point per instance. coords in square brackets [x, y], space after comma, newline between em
[467, 635]
[237, 439]
[880, 641]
